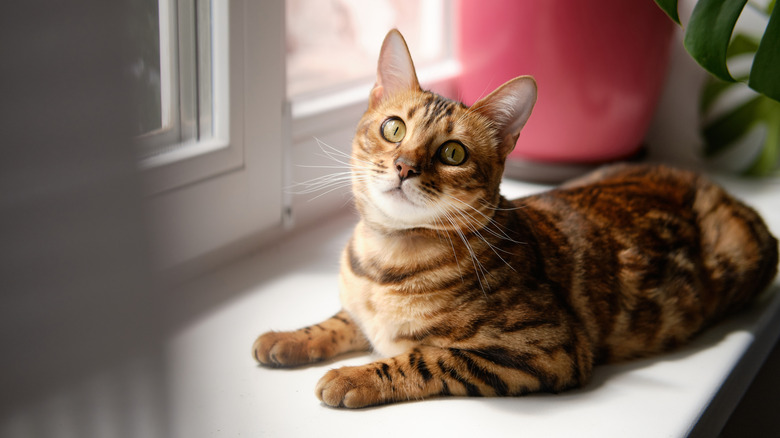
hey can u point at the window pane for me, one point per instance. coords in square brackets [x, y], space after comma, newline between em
[144, 28]
[334, 43]
[173, 74]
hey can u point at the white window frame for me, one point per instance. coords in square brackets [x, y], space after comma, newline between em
[196, 158]
[218, 194]
[169, 131]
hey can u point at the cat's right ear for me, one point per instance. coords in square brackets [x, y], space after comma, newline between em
[395, 70]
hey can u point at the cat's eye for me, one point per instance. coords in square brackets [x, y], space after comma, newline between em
[393, 130]
[452, 153]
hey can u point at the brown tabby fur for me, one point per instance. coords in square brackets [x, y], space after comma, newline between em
[482, 296]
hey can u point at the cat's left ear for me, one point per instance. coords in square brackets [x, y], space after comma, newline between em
[395, 70]
[509, 106]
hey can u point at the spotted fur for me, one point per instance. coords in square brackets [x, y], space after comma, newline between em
[466, 293]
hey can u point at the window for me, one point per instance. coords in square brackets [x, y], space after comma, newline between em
[172, 76]
[214, 167]
[224, 180]
[333, 44]
[181, 115]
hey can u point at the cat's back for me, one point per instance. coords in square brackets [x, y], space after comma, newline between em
[653, 254]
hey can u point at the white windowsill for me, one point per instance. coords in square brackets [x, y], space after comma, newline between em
[218, 390]
[183, 151]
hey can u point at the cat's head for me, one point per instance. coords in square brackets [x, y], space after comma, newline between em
[423, 161]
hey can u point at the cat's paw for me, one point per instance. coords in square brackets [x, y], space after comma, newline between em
[286, 349]
[351, 387]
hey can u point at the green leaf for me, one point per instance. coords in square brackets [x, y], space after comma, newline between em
[764, 76]
[670, 7]
[709, 31]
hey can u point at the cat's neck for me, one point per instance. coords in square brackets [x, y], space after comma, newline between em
[471, 224]
[409, 236]
[421, 240]
[389, 246]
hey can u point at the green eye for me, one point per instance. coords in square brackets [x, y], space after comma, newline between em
[393, 130]
[452, 153]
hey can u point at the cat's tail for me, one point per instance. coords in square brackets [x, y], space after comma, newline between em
[739, 251]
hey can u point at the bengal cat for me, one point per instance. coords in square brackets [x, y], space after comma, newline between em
[466, 293]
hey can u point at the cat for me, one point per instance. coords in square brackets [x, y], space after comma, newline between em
[466, 293]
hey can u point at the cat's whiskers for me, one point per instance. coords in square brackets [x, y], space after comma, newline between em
[501, 232]
[331, 181]
[335, 154]
[479, 269]
[461, 219]
[497, 208]
[440, 232]
[356, 170]
[476, 232]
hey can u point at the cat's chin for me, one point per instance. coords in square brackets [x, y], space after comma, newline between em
[396, 209]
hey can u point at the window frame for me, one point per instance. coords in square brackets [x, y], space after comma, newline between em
[195, 153]
[169, 130]
[224, 192]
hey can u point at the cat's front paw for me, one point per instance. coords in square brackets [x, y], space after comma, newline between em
[351, 387]
[286, 349]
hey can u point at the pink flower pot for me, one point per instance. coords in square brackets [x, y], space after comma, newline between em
[599, 66]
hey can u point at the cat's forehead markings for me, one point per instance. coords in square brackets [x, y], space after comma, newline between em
[411, 112]
[436, 108]
[420, 104]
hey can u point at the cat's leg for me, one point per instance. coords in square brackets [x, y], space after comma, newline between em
[336, 335]
[433, 371]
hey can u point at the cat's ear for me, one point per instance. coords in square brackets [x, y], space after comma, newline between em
[509, 106]
[395, 71]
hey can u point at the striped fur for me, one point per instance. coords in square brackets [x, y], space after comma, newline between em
[466, 293]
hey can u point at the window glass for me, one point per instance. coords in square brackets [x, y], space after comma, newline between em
[144, 29]
[333, 44]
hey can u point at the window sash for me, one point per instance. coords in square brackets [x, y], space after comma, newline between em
[186, 81]
[207, 150]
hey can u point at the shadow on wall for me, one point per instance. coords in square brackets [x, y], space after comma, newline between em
[77, 326]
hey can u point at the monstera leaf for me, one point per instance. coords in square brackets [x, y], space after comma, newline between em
[708, 34]
[709, 40]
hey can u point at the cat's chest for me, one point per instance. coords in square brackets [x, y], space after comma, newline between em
[389, 293]
[388, 321]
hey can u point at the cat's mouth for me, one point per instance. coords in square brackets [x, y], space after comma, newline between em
[399, 193]
[400, 206]
[402, 199]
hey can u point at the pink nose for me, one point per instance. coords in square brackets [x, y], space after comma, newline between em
[405, 170]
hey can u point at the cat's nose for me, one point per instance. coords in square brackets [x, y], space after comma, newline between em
[406, 170]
